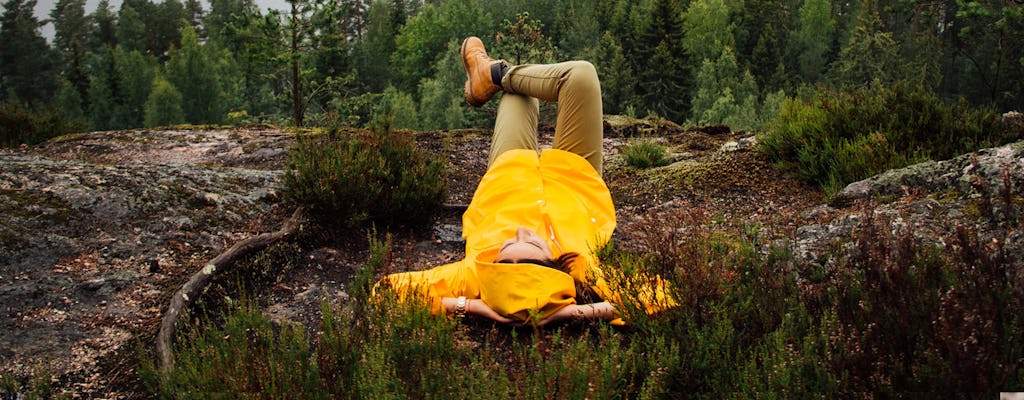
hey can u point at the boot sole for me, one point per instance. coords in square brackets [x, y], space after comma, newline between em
[468, 87]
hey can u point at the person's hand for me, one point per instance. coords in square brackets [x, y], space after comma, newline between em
[479, 308]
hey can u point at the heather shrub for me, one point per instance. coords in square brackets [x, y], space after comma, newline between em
[645, 154]
[891, 317]
[836, 137]
[350, 178]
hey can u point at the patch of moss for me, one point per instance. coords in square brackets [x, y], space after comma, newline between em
[19, 203]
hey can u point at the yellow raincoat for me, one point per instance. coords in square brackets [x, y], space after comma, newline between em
[557, 194]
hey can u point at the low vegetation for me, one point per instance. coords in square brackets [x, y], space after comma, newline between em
[753, 321]
[645, 154]
[351, 178]
[838, 137]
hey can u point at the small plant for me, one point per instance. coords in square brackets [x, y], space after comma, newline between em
[645, 154]
[351, 178]
[836, 138]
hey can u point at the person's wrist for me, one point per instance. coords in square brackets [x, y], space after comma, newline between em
[460, 307]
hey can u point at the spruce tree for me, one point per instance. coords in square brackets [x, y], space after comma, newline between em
[71, 39]
[104, 28]
[27, 69]
[618, 83]
[103, 90]
[131, 29]
[665, 75]
[871, 55]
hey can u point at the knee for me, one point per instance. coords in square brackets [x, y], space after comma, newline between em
[584, 74]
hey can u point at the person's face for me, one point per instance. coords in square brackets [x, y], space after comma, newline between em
[526, 245]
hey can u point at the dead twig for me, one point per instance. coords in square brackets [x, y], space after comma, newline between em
[191, 290]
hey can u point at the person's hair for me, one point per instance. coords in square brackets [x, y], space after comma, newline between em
[584, 292]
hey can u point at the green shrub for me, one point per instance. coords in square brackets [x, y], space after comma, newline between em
[836, 138]
[20, 125]
[897, 317]
[350, 178]
[645, 154]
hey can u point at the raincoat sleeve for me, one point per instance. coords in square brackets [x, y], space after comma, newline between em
[449, 280]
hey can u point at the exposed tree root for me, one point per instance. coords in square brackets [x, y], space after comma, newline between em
[192, 289]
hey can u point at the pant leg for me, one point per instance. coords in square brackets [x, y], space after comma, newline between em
[576, 88]
[515, 126]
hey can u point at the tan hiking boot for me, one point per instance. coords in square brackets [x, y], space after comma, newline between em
[483, 74]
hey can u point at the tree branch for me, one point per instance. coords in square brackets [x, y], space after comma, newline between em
[192, 289]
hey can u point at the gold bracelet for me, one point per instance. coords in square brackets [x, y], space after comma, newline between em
[460, 307]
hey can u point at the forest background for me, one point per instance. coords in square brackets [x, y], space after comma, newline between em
[362, 62]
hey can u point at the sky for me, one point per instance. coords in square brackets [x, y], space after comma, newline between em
[44, 7]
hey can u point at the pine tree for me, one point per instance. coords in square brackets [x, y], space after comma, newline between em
[378, 43]
[523, 41]
[69, 102]
[725, 94]
[256, 57]
[194, 15]
[226, 18]
[27, 69]
[165, 28]
[424, 37]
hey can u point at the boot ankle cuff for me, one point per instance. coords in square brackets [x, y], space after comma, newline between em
[498, 71]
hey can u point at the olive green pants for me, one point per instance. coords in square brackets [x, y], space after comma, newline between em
[574, 86]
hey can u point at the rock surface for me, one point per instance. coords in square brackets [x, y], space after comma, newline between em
[99, 229]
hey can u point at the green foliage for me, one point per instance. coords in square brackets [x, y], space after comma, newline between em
[135, 81]
[395, 109]
[708, 29]
[645, 154]
[812, 40]
[39, 385]
[164, 104]
[618, 82]
[725, 95]
[664, 73]
[27, 64]
[872, 55]
[247, 354]
[837, 138]
[20, 125]
[194, 73]
[425, 36]
[894, 317]
[348, 178]
[523, 42]
[442, 102]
